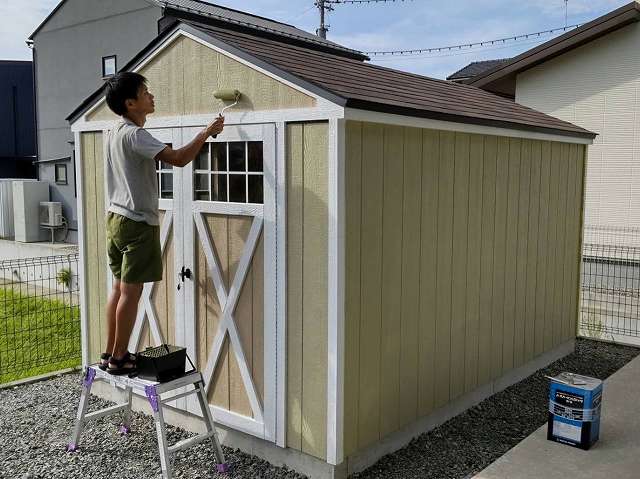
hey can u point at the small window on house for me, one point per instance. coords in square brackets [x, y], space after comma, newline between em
[61, 174]
[229, 172]
[108, 66]
[165, 179]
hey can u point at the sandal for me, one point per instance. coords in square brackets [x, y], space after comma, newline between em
[124, 365]
[104, 361]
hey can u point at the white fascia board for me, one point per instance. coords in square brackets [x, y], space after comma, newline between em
[412, 121]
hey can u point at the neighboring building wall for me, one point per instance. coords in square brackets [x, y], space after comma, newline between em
[461, 265]
[597, 87]
[68, 55]
[307, 282]
[17, 135]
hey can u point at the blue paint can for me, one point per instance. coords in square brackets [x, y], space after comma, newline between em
[574, 410]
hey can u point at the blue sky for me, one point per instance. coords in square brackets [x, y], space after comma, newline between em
[386, 26]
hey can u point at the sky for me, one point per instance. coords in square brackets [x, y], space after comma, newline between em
[408, 24]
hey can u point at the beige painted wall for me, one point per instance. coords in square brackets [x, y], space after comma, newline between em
[461, 264]
[307, 228]
[184, 76]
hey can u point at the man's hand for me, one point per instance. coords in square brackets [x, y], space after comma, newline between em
[216, 126]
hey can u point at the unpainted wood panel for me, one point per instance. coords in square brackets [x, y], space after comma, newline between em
[257, 324]
[295, 195]
[428, 270]
[474, 243]
[238, 232]
[485, 341]
[531, 316]
[393, 177]
[159, 297]
[521, 256]
[543, 246]
[353, 205]
[459, 264]
[371, 284]
[511, 254]
[165, 80]
[201, 70]
[169, 281]
[499, 256]
[101, 225]
[411, 243]
[444, 266]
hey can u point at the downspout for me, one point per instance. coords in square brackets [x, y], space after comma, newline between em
[31, 45]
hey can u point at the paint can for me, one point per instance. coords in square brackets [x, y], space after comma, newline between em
[574, 410]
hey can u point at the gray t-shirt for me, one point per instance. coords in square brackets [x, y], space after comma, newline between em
[132, 182]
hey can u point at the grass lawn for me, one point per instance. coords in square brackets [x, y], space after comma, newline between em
[37, 334]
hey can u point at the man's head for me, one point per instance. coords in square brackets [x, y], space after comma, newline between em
[127, 94]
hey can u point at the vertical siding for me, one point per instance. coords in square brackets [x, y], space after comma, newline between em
[447, 266]
[307, 226]
[596, 86]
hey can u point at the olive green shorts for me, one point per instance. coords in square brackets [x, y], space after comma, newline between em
[134, 250]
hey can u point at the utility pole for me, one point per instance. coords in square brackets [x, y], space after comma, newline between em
[324, 6]
[566, 13]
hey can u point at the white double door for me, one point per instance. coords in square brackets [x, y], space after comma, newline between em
[218, 293]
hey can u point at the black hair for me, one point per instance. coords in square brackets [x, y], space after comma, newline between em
[122, 87]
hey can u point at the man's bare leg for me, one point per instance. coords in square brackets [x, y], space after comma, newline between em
[126, 313]
[112, 305]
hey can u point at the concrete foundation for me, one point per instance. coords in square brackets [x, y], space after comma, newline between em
[317, 469]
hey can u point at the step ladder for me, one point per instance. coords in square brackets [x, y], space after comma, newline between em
[153, 391]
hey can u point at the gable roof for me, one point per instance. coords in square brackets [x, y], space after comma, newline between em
[501, 79]
[203, 11]
[476, 68]
[356, 84]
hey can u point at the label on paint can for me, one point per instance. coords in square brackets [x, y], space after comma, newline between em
[567, 431]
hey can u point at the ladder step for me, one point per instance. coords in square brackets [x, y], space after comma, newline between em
[179, 396]
[191, 441]
[105, 412]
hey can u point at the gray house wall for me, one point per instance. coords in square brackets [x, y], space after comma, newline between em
[68, 53]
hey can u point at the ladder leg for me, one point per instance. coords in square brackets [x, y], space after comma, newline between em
[221, 465]
[125, 428]
[163, 448]
[87, 382]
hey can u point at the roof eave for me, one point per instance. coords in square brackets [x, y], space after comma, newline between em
[593, 30]
[433, 115]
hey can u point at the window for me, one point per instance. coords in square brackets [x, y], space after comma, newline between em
[109, 66]
[229, 172]
[61, 174]
[165, 179]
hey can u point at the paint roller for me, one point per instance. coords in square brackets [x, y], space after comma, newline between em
[227, 95]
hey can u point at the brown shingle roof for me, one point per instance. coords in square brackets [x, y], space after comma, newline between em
[356, 84]
[476, 68]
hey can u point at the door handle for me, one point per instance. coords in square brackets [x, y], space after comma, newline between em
[184, 273]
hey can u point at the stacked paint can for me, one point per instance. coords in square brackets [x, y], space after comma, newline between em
[574, 410]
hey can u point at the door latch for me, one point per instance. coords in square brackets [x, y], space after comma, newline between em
[184, 273]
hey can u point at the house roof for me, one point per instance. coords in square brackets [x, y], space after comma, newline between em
[203, 11]
[476, 68]
[356, 84]
[501, 79]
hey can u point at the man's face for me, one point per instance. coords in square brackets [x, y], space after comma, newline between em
[144, 104]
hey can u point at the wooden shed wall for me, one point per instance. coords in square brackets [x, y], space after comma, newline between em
[307, 243]
[185, 74]
[462, 263]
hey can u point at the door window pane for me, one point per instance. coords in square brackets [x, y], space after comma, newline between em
[219, 187]
[166, 185]
[238, 188]
[254, 155]
[237, 156]
[202, 160]
[201, 187]
[255, 189]
[218, 156]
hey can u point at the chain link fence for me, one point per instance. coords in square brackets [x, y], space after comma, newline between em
[610, 307]
[39, 316]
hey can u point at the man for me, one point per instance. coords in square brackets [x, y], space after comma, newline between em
[133, 237]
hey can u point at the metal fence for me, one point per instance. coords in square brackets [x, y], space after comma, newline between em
[39, 316]
[610, 307]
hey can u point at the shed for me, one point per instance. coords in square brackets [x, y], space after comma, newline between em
[372, 251]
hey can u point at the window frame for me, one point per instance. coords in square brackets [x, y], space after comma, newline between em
[63, 167]
[104, 64]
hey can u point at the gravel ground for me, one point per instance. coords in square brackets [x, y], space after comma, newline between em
[36, 420]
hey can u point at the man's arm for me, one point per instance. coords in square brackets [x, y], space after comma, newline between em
[183, 156]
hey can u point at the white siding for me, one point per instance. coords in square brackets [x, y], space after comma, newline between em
[596, 86]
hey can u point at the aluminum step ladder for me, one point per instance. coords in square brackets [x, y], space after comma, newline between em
[153, 391]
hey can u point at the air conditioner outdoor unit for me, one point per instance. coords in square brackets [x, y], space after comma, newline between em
[50, 213]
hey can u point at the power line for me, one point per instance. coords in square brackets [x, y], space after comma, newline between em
[471, 45]
[364, 1]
